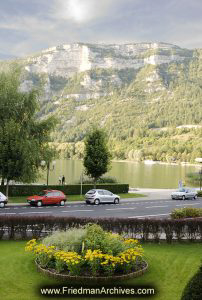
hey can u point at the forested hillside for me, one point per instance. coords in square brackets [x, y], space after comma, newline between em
[150, 110]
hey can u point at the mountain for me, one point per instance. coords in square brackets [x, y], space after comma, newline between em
[145, 95]
[4, 56]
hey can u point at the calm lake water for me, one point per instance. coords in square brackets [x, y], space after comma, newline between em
[136, 174]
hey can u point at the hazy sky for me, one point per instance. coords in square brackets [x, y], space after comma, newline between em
[28, 26]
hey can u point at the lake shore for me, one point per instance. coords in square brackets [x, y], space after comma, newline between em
[159, 163]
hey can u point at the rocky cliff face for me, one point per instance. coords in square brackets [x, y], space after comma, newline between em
[66, 60]
[64, 65]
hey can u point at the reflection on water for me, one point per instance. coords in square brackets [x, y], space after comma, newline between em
[134, 173]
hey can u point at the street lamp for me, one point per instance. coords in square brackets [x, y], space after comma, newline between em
[199, 160]
[49, 167]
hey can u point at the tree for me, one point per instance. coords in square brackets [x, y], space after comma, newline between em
[23, 138]
[96, 154]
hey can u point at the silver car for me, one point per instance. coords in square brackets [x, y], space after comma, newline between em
[184, 193]
[3, 200]
[97, 196]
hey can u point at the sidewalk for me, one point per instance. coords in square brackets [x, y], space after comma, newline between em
[153, 194]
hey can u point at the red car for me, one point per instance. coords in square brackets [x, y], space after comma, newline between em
[47, 197]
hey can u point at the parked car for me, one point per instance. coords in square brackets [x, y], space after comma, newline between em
[184, 193]
[97, 196]
[47, 197]
[3, 200]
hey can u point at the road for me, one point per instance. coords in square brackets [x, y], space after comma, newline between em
[128, 208]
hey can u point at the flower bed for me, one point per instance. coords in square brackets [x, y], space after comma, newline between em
[98, 254]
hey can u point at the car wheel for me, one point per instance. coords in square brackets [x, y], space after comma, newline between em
[2, 204]
[97, 202]
[195, 197]
[62, 203]
[183, 197]
[39, 203]
[116, 201]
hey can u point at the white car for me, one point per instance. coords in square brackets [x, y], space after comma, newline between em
[184, 193]
[3, 200]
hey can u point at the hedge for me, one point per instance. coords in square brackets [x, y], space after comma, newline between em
[24, 227]
[186, 212]
[71, 189]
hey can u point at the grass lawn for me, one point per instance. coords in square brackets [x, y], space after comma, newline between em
[170, 267]
[23, 199]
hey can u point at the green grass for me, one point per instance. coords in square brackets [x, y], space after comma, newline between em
[170, 267]
[23, 199]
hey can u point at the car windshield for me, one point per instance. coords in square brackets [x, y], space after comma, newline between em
[180, 190]
[42, 193]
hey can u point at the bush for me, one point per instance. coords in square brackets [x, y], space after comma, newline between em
[72, 189]
[104, 179]
[193, 290]
[199, 193]
[193, 179]
[70, 240]
[186, 212]
[97, 239]
[96, 255]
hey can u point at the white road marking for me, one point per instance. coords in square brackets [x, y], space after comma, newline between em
[32, 212]
[69, 211]
[8, 213]
[148, 216]
[120, 208]
[187, 204]
[156, 206]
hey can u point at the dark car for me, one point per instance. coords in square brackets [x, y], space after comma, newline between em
[47, 197]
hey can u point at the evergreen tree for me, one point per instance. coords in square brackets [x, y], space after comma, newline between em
[96, 155]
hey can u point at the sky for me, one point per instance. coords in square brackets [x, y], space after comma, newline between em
[29, 26]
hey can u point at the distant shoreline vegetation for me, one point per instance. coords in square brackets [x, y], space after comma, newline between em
[170, 145]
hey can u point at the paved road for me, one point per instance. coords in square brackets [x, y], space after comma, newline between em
[128, 208]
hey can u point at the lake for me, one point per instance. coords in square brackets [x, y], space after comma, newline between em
[135, 173]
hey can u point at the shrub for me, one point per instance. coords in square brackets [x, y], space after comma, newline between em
[104, 179]
[70, 240]
[193, 290]
[193, 178]
[186, 212]
[98, 239]
[199, 193]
